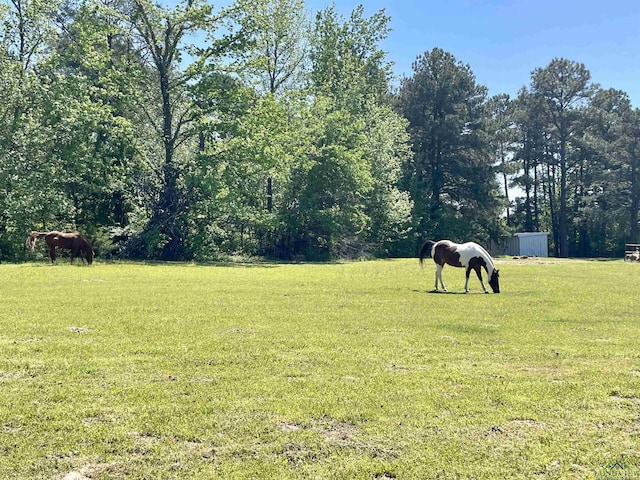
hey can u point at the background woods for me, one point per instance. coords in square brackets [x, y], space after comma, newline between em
[186, 132]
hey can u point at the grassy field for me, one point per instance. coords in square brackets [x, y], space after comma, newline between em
[282, 371]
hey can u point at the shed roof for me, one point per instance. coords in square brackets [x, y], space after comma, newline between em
[530, 234]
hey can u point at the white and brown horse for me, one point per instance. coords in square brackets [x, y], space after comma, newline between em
[469, 255]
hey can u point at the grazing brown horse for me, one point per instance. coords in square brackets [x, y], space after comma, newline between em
[75, 242]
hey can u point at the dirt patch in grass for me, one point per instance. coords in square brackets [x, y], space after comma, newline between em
[550, 371]
[95, 470]
[334, 430]
[289, 426]
[624, 398]
[526, 260]
[331, 429]
[527, 423]
[518, 428]
[79, 330]
[339, 432]
[75, 476]
[94, 420]
[144, 441]
[298, 454]
[242, 331]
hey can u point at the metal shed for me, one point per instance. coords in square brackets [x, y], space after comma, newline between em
[534, 244]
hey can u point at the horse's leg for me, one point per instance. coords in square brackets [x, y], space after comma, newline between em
[52, 253]
[439, 276]
[444, 287]
[479, 273]
[76, 252]
[466, 281]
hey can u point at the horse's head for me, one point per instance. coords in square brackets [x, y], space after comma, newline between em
[494, 281]
[31, 240]
[89, 254]
[87, 250]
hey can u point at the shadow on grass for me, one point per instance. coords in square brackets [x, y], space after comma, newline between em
[441, 292]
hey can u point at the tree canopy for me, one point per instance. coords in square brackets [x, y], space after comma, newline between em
[185, 132]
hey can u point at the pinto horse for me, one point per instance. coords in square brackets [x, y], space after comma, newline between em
[469, 255]
[75, 242]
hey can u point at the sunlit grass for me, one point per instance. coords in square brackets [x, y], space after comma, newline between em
[317, 371]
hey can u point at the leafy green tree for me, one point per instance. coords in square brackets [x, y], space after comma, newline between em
[95, 73]
[336, 181]
[277, 34]
[598, 171]
[632, 169]
[29, 28]
[387, 206]
[563, 87]
[250, 141]
[530, 153]
[451, 177]
[344, 196]
[348, 64]
[27, 196]
[607, 183]
[502, 139]
[160, 33]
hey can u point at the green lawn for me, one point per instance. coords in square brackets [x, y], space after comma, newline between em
[318, 371]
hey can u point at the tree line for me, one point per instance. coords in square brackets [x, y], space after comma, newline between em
[188, 133]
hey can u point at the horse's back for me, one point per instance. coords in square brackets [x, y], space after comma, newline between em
[68, 240]
[457, 254]
[469, 250]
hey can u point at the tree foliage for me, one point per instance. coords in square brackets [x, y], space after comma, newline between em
[451, 176]
[577, 160]
[187, 133]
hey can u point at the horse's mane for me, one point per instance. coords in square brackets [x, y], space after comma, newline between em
[487, 256]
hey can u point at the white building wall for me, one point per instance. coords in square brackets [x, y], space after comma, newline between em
[535, 244]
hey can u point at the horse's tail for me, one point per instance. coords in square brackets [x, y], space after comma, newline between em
[426, 250]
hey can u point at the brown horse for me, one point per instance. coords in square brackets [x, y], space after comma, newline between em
[79, 246]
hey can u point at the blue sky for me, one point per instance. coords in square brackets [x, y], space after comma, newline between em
[504, 40]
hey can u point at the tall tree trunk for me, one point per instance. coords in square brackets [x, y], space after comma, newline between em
[551, 180]
[532, 199]
[506, 190]
[528, 220]
[563, 222]
[634, 208]
[161, 31]
[169, 201]
[436, 191]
